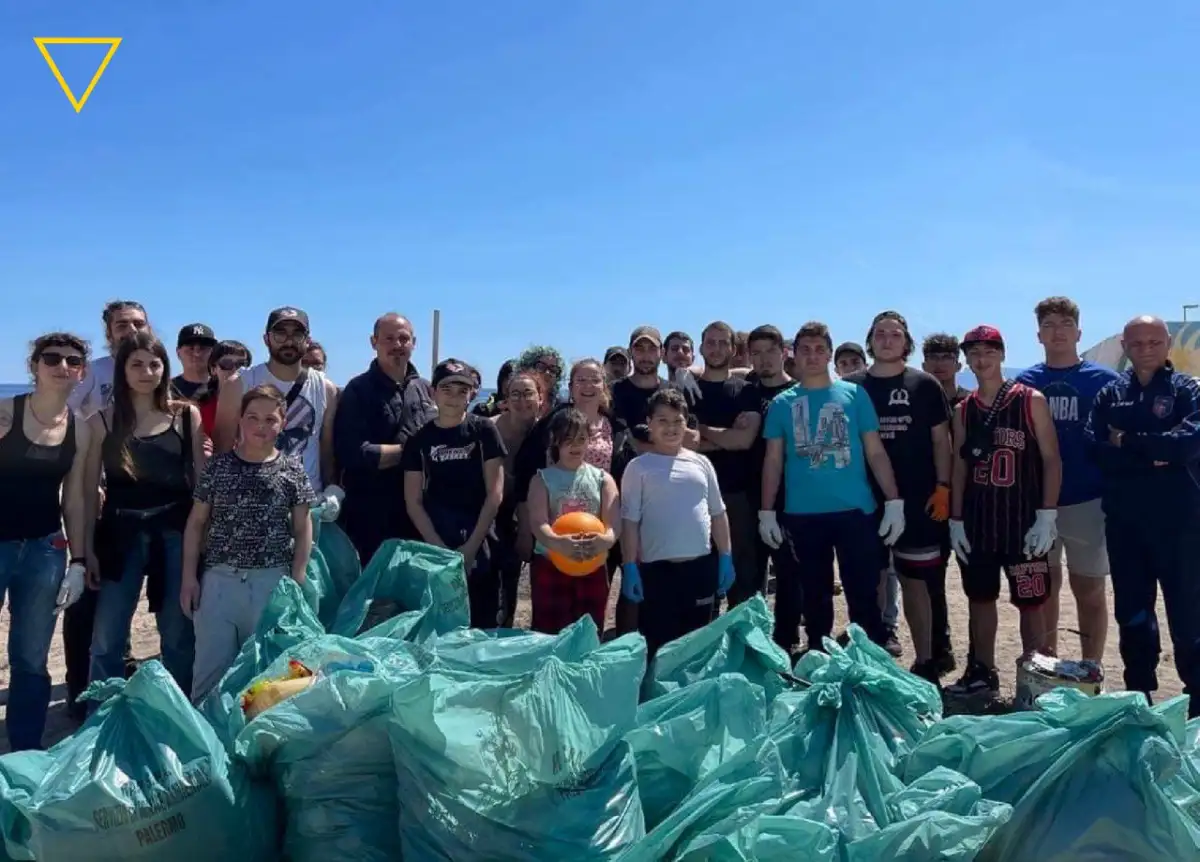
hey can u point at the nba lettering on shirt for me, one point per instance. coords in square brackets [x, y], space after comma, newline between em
[440, 454]
[1064, 408]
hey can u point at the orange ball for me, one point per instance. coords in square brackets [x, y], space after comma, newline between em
[571, 524]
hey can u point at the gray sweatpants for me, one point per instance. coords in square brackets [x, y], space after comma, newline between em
[231, 601]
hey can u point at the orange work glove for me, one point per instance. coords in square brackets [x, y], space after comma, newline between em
[938, 506]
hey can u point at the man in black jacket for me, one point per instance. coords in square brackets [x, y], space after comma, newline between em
[377, 412]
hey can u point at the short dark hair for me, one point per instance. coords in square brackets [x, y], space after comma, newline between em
[724, 327]
[265, 392]
[566, 425]
[1057, 305]
[228, 347]
[57, 339]
[670, 398]
[899, 318]
[766, 333]
[678, 335]
[504, 375]
[940, 342]
[814, 329]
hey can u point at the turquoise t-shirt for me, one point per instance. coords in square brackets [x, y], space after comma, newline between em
[824, 467]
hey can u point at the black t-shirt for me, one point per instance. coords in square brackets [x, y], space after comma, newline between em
[187, 390]
[909, 405]
[631, 404]
[763, 394]
[719, 404]
[451, 461]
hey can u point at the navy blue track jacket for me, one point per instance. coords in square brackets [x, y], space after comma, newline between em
[1156, 469]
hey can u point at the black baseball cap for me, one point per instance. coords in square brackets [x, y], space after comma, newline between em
[287, 313]
[196, 333]
[616, 350]
[455, 371]
[647, 332]
[850, 347]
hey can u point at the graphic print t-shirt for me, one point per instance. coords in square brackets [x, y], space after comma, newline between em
[451, 461]
[94, 391]
[824, 467]
[250, 525]
[909, 406]
[1070, 393]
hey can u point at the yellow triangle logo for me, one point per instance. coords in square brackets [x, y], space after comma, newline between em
[112, 42]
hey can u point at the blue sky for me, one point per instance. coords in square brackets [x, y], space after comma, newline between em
[561, 171]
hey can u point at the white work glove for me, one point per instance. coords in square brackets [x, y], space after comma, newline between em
[330, 503]
[768, 529]
[892, 525]
[1042, 534]
[72, 586]
[958, 539]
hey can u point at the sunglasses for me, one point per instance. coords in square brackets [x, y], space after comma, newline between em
[228, 363]
[53, 359]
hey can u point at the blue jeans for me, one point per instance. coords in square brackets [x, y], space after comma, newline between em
[117, 604]
[31, 572]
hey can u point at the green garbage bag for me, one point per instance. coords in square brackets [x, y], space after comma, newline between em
[327, 751]
[423, 583]
[1083, 776]
[340, 555]
[520, 767]
[509, 651]
[737, 642]
[144, 779]
[287, 620]
[683, 736]
[733, 814]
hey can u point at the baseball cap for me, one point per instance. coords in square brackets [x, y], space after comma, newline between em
[850, 347]
[455, 371]
[616, 350]
[649, 332]
[196, 333]
[287, 313]
[982, 334]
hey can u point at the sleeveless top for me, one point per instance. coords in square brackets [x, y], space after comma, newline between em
[162, 468]
[1003, 491]
[31, 478]
[301, 434]
[572, 491]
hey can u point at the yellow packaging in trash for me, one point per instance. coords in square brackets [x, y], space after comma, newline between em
[268, 692]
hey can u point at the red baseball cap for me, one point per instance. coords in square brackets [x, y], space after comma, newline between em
[982, 334]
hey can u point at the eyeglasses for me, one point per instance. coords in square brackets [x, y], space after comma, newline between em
[547, 367]
[229, 363]
[53, 359]
[282, 334]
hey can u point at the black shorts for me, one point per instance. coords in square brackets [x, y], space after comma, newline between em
[922, 550]
[1028, 579]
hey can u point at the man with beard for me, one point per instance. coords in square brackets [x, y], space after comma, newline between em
[1070, 385]
[914, 425]
[193, 347]
[616, 364]
[1004, 495]
[943, 362]
[377, 413]
[311, 400]
[122, 319]
[1144, 430]
[822, 435]
[728, 421]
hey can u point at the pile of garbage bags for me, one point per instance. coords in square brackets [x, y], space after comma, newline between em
[365, 722]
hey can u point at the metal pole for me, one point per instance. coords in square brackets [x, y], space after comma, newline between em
[437, 337]
[1188, 308]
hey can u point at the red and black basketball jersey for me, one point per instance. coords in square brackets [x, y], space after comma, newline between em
[1004, 491]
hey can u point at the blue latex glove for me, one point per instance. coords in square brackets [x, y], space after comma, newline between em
[725, 573]
[631, 583]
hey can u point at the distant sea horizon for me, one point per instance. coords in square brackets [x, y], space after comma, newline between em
[965, 378]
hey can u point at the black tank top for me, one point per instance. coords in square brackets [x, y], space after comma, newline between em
[161, 469]
[31, 478]
[1004, 491]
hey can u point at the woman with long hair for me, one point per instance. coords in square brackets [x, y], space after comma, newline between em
[151, 451]
[43, 450]
[226, 360]
[523, 395]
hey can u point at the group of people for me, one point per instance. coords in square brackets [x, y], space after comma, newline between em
[768, 455]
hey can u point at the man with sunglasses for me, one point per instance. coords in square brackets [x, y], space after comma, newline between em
[122, 318]
[193, 347]
[311, 400]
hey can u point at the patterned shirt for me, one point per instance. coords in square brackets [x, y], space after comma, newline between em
[250, 525]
